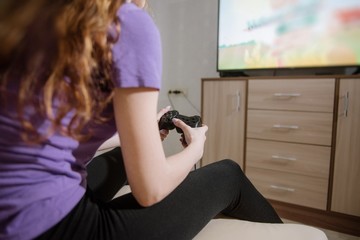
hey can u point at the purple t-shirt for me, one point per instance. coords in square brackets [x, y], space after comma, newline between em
[41, 184]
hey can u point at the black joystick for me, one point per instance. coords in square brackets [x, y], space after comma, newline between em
[166, 121]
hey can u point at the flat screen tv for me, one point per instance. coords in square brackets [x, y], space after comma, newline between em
[287, 34]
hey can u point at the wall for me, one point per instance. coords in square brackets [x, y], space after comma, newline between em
[188, 30]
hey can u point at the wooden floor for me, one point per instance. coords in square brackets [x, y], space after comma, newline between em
[339, 236]
[333, 235]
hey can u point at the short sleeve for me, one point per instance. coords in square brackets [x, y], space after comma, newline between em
[137, 55]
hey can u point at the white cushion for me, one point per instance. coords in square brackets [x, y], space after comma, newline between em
[238, 229]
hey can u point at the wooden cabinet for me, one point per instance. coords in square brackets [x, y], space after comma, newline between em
[346, 190]
[297, 139]
[223, 104]
[289, 136]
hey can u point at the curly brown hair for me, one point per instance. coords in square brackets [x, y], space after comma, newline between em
[78, 72]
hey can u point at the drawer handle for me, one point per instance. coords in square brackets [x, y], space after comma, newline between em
[286, 189]
[346, 105]
[346, 111]
[276, 157]
[287, 95]
[280, 126]
[238, 101]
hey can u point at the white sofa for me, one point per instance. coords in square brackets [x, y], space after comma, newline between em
[231, 229]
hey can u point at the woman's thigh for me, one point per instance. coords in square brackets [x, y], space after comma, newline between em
[181, 215]
[220, 187]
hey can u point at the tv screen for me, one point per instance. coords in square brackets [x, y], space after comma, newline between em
[275, 34]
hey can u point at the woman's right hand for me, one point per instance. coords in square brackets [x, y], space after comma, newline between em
[192, 135]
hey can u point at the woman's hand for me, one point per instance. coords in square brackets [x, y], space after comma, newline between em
[192, 135]
[163, 132]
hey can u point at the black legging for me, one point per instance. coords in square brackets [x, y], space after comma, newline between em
[220, 187]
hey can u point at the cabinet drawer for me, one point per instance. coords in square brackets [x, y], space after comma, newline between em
[297, 127]
[307, 160]
[290, 188]
[316, 95]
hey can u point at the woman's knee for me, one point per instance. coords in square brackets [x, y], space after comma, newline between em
[228, 169]
[230, 165]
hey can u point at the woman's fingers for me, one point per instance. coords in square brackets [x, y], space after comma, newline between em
[162, 112]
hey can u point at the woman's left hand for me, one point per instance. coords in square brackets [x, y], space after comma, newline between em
[163, 132]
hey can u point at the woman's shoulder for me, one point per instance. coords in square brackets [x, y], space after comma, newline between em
[137, 57]
[136, 25]
[129, 11]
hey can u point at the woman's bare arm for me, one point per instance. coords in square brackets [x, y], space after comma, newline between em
[151, 175]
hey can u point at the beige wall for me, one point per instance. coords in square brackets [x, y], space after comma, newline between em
[188, 30]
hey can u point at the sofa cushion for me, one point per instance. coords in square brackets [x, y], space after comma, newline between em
[238, 229]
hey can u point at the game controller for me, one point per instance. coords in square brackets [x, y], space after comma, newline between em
[167, 123]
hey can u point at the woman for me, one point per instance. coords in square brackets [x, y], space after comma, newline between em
[74, 73]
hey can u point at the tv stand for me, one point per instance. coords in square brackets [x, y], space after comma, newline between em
[357, 71]
[233, 74]
[302, 157]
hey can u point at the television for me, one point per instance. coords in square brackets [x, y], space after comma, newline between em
[287, 34]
